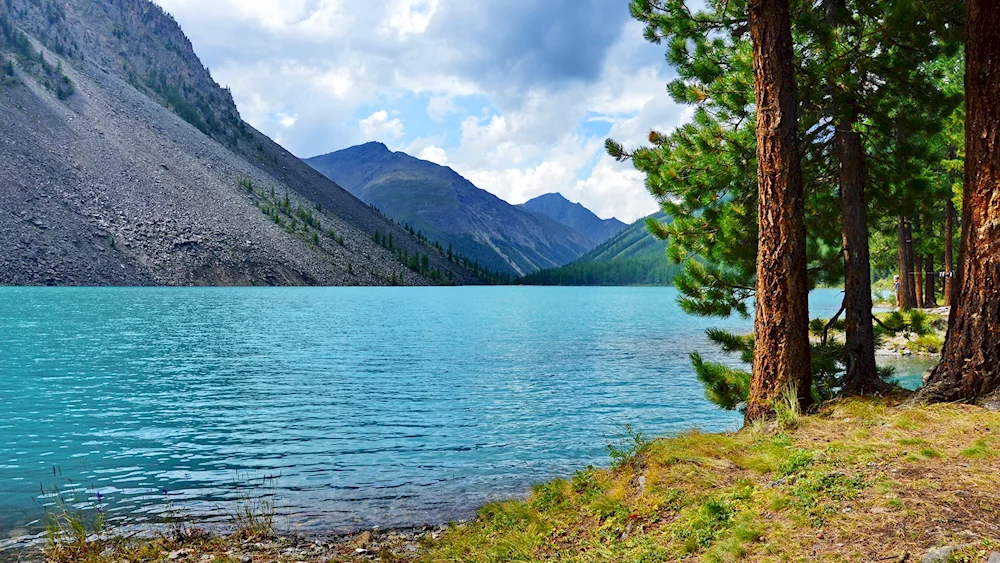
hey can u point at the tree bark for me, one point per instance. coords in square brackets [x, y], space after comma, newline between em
[918, 279]
[906, 294]
[970, 367]
[862, 374]
[949, 245]
[781, 350]
[930, 282]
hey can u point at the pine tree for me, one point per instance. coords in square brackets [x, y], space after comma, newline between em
[970, 367]
[781, 363]
[868, 72]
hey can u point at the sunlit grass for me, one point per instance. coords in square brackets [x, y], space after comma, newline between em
[860, 481]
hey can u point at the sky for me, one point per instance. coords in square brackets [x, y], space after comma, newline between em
[518, 96]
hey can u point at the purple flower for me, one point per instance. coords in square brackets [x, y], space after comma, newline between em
[163, 491]
[99, 496]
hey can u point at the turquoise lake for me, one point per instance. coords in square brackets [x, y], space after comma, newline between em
[351, 406]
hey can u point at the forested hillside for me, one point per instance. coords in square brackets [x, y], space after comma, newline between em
[632, 257]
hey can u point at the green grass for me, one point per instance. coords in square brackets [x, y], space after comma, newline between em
[852, 483]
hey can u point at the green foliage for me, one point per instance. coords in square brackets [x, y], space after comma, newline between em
[68, 530]
[732, 344]
[245, 182]
[886, 69]
[729, 387]
[918, 323]
[725, 386]
[652, 270]
[632, 257]
[796, 462]
[255, 512]
[704, 525]
[627, 447]
[421, 264]
[200, 109]
[828, 367]
[914, 322]
[32, 62]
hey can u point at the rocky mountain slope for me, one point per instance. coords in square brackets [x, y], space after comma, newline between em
[632, 257]
[575, 216]
[122, 162]
[449, 209]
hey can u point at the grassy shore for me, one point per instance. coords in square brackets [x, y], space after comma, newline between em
[861, 480]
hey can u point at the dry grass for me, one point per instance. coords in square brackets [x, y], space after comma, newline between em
[860, 481]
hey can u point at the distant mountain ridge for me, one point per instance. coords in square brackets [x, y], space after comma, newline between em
[632, 257]
[449, 209]
[575, 216]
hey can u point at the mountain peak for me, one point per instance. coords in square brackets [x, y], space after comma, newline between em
[554, 196]
[372, 146]
[575, 216]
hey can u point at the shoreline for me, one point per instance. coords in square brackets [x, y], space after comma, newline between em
[860, 480]
[191, 542]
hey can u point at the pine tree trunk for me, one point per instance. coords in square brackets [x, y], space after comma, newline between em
[906, 295]
[781, 331]
[949, 244]
[862, 374]
[970, 367]
[930, 282]
[918, 279]
[911, 257]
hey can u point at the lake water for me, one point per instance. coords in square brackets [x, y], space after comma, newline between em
[352, 406]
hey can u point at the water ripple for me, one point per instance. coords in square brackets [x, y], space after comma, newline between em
[366, 406]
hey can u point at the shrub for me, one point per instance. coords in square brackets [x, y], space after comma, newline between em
[626, 448]
[895, 322]
[246, 183]
[919, 324]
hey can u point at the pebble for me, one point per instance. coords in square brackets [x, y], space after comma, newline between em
[940, 554]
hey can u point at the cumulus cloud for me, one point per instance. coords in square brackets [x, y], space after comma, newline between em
[434, 154]
[518, 95]
[409, 17]
[440, 107]
[379, 126]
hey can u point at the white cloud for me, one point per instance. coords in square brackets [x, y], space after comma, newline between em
[616, 189]
[379, 126]
[434, 154]
[440, 107]
[410, 17]
[301, 71]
